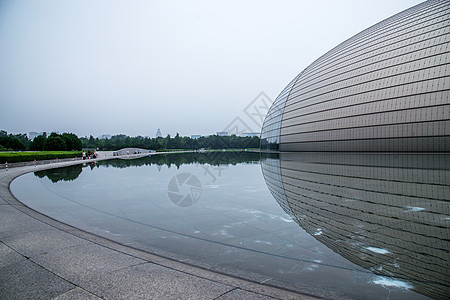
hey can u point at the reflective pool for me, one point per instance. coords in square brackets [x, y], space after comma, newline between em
[362, 226]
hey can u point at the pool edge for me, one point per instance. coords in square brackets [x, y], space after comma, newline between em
[68, 278]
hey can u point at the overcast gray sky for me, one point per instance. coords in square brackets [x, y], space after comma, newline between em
[94, 67]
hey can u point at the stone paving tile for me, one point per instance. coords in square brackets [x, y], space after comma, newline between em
[184, 268]
[13, 222]
[76, 294]
[81, 263]
[150, 281]
[32, 244]
[26, 280]
[243, 295]
[8, 256]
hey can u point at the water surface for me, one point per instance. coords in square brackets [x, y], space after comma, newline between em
[323, 225]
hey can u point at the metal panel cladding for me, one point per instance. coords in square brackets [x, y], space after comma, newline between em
[270, 133]
[385, 89]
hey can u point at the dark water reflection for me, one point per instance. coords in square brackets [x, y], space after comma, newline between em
[212, 158]
[371, 226]
[388, 213]
[61, 174]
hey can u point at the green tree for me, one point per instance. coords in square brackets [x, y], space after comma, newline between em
[55, 143]
[38, 143]
[24, 139]
[12, 142]
[168, 142]
[72, 141]
[91, 143]
[176, 142]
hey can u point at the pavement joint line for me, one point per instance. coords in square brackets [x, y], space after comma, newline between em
[59, 276]
[223, 294]
[122, 252]
[48, 270]
[102, 241]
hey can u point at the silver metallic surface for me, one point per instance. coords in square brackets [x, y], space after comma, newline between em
[385, 89]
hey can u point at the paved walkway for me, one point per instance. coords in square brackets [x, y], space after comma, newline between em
[41, 258]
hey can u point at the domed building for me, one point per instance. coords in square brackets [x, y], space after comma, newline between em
[385, 89]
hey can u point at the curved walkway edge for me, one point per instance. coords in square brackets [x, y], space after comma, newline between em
[41, 258]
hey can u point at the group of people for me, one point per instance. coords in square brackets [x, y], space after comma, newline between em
[89, 154]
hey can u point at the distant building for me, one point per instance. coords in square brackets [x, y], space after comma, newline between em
[249, 134]
[195, 136]
[222, 133]
[33, 134]
[158, 133]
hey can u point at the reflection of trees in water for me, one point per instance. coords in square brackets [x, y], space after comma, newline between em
[211, 158]
[61, 174]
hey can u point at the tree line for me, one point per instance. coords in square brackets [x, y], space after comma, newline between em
[216, 158]
[71, 142]
[178, 142]
[212, 158]
[54, 142]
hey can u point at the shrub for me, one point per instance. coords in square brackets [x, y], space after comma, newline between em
[11, 157]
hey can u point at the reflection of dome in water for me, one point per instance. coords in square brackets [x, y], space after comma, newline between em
[387, 213]
[384, 89]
